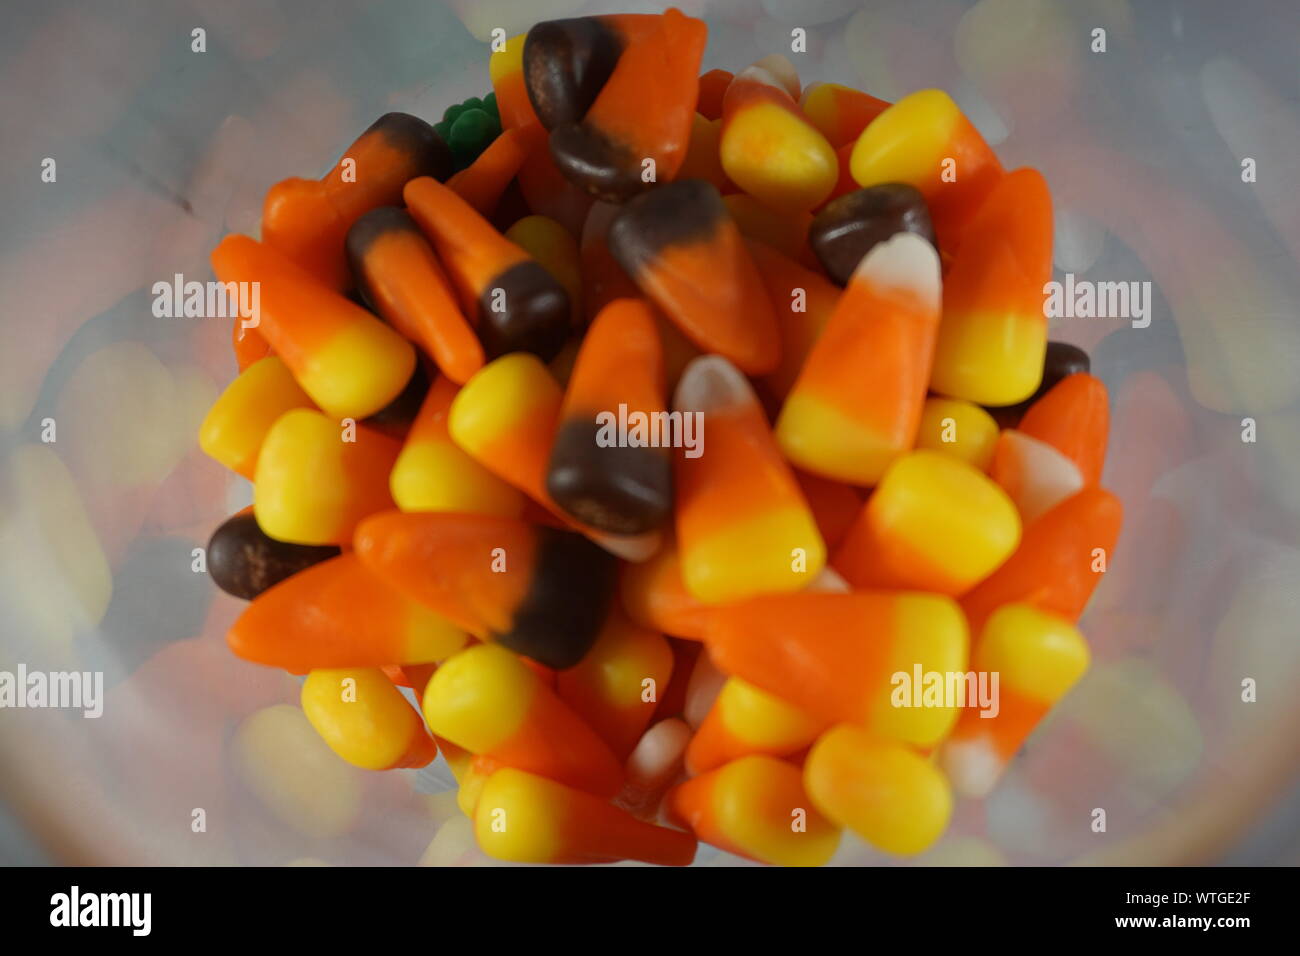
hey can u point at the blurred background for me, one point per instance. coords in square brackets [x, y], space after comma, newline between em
[159, 150]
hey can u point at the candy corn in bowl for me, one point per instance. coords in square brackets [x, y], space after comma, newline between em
[671, 442]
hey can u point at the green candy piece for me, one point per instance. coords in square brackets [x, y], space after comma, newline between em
[472, 130]
[453, 112]
[473, 103]
[443, 130]
[490, 105]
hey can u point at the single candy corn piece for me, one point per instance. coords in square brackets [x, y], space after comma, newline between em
[958, 428]
[432, 473]
[365, 719]
[616, 686]
[769, 148]
[236, 425]
[885, 792]
[743, 526]
[486, 700]
[934, 523]
[482, 183]
[1060, 361]
[339, 614]
[554, 247]
[1035, 475]
[655, 596]
[506, 417]
[1059, 562]
[652, 767]
[786, 232]
[637, 130]
[856, 404]
[756, 807]
[517, 304]
[1074, 418]
[836, 656]
[316, 478]
[994, 334]
[401, 277]
[541, 592]
[349, 362]
[244, 561]
[566, 63]
[1038, 656]
[307, 221]
[803, 301]
[248, 344]
[924, 140]
[596, 474]
[713, 87]
[746, 720]
[682, 248]
[846, 229]
[527, 818]
[841, 113]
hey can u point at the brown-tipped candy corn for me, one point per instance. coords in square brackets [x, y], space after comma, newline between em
[601, 472]
[682, 248]
[339, 614]
[307, 220]
[518, 305]
[528, 819]
[244, 561]
[401, 277]
[543, 593]
[637, 129]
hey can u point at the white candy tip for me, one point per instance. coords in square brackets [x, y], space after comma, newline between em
[904, 261]
[709, 383]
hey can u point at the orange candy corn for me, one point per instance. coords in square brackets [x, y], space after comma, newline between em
[541, 592]
[1059, 562]
[743, 526]
[616, 686]
[349, 362]
[924, 140]
[482, 182]
[307, 220]
[993, 336]
[339, 614]
[432, 473]
[835, 656]
[1035, 475]
[713, 87]
[485, 700]
[857, 401]
[528, 819]
[1074, 418]
[746, 720]
[681, 247]
[517, 304]
[593, 476]
[756, 807]
[399, 274]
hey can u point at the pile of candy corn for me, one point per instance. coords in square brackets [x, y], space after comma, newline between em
[655, 447]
